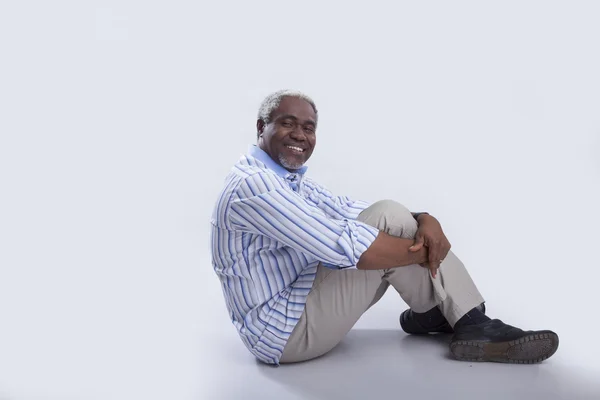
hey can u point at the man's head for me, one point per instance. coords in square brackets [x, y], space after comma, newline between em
[286, 128]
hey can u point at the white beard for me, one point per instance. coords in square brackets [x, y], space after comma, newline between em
[287, 164]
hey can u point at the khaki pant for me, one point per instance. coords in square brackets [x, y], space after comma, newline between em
[339, 297]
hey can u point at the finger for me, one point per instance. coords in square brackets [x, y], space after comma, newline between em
[433, 267]
[434, 256]
[426, 265]
[418, 245]
[433, 270]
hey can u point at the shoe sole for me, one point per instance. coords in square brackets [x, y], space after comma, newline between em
[530, 349]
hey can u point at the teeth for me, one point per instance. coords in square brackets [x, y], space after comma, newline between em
[295, 148]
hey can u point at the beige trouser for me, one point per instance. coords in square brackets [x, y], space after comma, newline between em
[339, 297]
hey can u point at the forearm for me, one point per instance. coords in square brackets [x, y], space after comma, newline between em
[389, 252]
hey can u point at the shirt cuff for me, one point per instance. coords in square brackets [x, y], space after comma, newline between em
[362, 237]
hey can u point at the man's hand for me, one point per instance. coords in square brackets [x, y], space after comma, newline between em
[430, 235]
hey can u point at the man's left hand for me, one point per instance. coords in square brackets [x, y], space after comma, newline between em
[430, 235]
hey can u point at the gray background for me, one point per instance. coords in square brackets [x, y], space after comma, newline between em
[120, 119]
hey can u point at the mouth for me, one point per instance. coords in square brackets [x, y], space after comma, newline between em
[296, 149]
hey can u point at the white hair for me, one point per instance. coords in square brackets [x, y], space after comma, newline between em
[271, 102]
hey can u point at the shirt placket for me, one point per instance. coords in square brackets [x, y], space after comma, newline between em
[294, 181]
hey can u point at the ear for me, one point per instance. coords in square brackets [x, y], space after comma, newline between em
[260, 127]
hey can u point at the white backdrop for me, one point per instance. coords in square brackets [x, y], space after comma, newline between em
[120, 119]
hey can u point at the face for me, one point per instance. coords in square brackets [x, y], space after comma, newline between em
[290, 137]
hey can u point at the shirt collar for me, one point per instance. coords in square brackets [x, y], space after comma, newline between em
[261, 155]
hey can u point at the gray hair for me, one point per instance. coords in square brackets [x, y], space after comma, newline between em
[271, 102]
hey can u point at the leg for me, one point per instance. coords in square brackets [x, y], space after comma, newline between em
[336, 301]
[452, 290]
[339, 297]
[476, 337]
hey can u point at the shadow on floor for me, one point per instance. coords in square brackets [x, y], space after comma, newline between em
[375, 364]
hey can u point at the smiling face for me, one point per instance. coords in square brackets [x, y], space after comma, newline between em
[290, 137]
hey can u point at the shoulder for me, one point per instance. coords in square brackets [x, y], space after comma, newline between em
[250, 178]
[246, 166]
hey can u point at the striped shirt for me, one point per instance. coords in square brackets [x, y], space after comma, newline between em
[270, 230]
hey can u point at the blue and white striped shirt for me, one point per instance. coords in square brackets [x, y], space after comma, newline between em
[270, 230]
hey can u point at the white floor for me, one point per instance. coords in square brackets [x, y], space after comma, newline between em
[163, 335]
[382, 363]
[379, 361]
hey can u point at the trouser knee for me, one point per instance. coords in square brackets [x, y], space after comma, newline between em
[390, 217]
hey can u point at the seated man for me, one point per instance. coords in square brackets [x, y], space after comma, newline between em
[299, 266]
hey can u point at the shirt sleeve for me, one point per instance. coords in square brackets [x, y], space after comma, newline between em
[335, 206]
[264, 205]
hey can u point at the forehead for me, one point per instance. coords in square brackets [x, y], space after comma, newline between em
[301, 109]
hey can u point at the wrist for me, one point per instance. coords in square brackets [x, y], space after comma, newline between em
[419, 216]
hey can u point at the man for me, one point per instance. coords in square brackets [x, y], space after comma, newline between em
[299, 266]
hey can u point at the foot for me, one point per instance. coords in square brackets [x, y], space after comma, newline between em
[497, 342]
[410, 323]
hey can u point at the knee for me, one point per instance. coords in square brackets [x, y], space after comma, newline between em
[389, 215]
[389, 208]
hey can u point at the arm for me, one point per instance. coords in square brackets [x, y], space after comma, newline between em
[262, 204]
[386, 251]
[335, 206]
[390, 251]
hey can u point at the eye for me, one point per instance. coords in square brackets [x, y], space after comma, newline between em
[286, 124]
[309, 129]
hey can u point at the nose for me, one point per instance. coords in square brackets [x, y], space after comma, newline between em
[298, 134]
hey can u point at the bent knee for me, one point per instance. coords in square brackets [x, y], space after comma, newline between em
[391, 217]
[390, 207]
